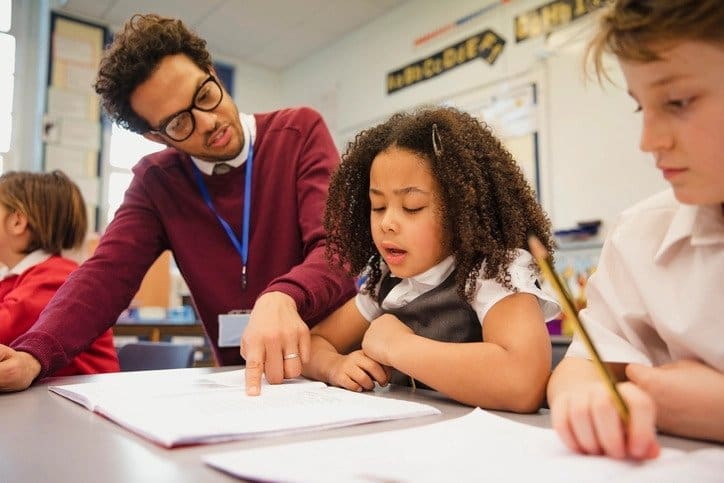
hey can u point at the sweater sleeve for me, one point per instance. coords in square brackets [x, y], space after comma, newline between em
[96, 293]
[21, 306]
[316, 288]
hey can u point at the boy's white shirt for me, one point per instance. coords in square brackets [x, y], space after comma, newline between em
[655, 297]
[29, 261]
[488, 293]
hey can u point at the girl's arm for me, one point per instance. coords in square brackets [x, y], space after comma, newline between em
[335, 355]
[508, 371]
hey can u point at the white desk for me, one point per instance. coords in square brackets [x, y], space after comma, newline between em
[44, 437]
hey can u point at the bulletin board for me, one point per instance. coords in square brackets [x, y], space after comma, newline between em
[72, 130]
[510, 109]
[512, 114]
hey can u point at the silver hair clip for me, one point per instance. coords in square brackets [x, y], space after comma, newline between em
[436, 141]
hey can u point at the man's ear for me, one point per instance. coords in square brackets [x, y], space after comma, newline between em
[156, 138]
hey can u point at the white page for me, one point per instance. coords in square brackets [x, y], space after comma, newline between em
[176, 411]
[477, 447]
[702, 465]
[237, 378]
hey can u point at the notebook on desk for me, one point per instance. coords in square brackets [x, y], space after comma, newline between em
[477, 447]
[175, 409]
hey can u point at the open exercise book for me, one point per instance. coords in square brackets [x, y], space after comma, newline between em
[479, 446]
[174, 409]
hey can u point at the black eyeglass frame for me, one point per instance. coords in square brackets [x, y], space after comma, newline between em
[162, 128]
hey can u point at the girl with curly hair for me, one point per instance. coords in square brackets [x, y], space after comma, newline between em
[435, 212]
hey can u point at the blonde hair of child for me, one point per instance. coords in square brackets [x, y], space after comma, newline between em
[53, 206]
[637, 29]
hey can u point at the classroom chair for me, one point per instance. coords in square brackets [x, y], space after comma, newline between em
[143, 356]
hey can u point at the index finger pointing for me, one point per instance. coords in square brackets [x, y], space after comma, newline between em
[254, 371]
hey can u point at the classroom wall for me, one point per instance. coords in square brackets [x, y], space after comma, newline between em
[590, 164]
[255, 88]
[31, 28]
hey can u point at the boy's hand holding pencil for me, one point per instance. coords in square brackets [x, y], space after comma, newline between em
[627, 429]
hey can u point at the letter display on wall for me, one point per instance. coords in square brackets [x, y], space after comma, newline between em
[551, 16]
[72, 123]
[486, 45]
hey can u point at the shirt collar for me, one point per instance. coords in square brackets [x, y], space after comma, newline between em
[701, 224]
[31, 259]
[436, 275]
[248, 126]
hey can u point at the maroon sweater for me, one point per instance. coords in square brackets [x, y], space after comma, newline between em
[163, 209]
[22, 298]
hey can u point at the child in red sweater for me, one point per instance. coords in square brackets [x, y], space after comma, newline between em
[40, 215]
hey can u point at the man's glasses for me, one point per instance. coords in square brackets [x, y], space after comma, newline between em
[181, 125]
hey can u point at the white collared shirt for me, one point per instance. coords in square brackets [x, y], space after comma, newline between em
[248, 126]
[29, 261]
[656, 296]
[488, 293]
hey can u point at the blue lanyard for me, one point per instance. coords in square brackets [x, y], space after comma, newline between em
[242, 247]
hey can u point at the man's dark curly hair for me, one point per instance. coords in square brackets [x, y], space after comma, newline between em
[488, 208]
[132, 57]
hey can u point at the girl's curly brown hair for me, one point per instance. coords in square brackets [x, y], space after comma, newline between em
[132, 57]
[488, 208]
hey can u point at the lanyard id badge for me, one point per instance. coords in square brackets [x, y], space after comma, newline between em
[231, 326]
[241, 247]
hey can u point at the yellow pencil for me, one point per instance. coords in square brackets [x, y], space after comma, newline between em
[544, 262]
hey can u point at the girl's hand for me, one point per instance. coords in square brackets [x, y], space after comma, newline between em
[587, 422]
[383, 337]
[357, 372]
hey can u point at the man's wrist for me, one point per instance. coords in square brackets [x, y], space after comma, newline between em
[31, 366]
[277, 298]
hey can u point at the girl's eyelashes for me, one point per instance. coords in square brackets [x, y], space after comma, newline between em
[378, 209]
[414, 210]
